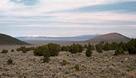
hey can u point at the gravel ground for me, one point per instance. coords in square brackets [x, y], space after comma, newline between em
[104, 65]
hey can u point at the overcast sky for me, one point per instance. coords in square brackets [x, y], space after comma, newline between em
[67, 17]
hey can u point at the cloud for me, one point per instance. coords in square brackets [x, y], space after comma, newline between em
[67, 17]
[25, 2]
[123, 7]
[40, 7]
[7, 5]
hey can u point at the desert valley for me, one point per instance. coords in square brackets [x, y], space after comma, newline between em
[98, 57]
[67, 38]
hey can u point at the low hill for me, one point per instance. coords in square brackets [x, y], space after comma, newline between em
[111, 37]
[8, 40]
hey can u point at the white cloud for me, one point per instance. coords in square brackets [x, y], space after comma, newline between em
[13, 12]
[7, 5]
[43, 6]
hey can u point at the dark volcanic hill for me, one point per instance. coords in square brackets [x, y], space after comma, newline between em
[111, 37]
[8, 40]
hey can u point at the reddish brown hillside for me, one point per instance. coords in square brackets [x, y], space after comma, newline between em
[111, 37]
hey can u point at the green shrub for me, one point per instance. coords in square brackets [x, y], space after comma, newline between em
[42, 51]
[131, 46]
[12, 50]
[20, 48]
[85, 46]
[119, 51]
[123, 46]
[132, 50]
[54, 49]
[77, 67]
[10, 61]
[64, 62]
[106, 47]
[114, 45]
[90, 47]
[89, 52]
[30, 48]
[80, 48]
[46, 59]
[23, 49]
[76, 48]
[99, 48]
[4, 51]
[65, 48]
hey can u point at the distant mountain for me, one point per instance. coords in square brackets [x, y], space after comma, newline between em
[111, 37]
[75, 38]
[8, 40]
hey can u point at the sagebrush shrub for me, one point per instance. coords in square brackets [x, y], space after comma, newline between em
[76, 48]
[99, 48]
[119, 51]
[42, 51]
[77, 68]
[123, 45]
[4, 51]
[46, 59]
[90, 47]
[65, 48]
[25, 49]
[54, 49]
[131, 46]
[64, 62]
[85, 46]
[89, 52]
[12, 50]
[106, 46]
[10, 61]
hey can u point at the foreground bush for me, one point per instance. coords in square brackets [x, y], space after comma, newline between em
[90, 47]
[46, 59]
[89, 52]
[42, 51]
[123, 46]
[99, 48]
[131, 46]
[119, 51]
[10, 61]
[4, 51]
[47, 51]
[25, 49]
[76, 48]
[65, 48]
[85, 46]
[77, 67]
[12, 50]
[54, 49]
[107, 46]
[64, 62]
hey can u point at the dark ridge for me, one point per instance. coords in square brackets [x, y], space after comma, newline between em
[8, 40]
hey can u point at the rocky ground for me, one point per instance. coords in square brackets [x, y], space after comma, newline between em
[104, 65]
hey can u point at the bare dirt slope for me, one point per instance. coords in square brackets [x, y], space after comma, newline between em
[104, 65]
[111, 37]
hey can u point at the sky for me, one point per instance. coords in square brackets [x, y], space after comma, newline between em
[67, 17]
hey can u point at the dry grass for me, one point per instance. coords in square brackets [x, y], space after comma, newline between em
[103, 65]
